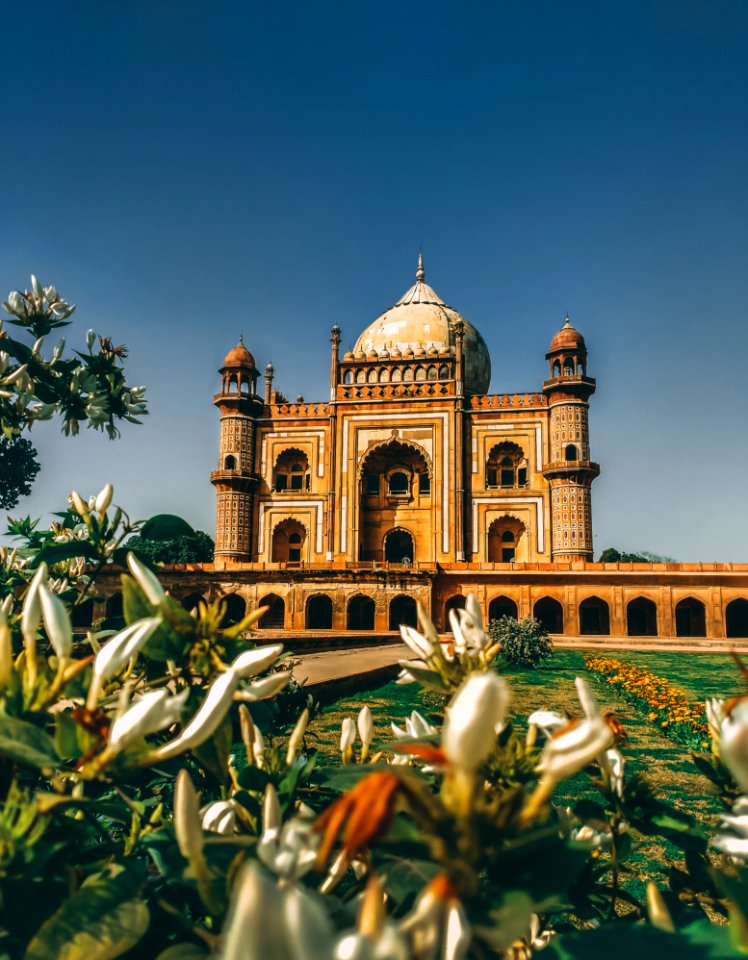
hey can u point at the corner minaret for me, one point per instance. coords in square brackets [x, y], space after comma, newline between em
[569, 470]
[235, 479]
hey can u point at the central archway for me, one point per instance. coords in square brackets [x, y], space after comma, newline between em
[550, 613]
[594, 617]
[275, 617]
[399, 546]
[502, 607]
[690, 618]
[360, 614]
[319, 612]
[641, 618]
[403, 612]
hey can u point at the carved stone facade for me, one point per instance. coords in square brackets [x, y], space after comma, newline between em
[414, 483]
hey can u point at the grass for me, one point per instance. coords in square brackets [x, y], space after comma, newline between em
[666, 766]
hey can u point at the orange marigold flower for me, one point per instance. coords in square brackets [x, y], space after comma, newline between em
[366, 810]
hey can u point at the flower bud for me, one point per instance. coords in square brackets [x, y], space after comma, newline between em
[146, 579]
[104, 499]
[365, 725]
[473, 714]
[734, 743]
[32, 612]
[297, 737]
[347, 735]
[78, 504]
[187, 817]
[56, 622]
[90, 339]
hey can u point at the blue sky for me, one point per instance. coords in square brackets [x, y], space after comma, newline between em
[186, 170]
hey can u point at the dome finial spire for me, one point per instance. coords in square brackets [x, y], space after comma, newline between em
[420, 273]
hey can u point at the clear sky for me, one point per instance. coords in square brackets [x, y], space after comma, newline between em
[186, 170]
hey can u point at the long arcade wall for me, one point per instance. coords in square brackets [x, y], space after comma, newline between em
[665, 600]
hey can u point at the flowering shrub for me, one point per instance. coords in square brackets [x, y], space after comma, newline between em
[150, 807]
[662, 703]
[524, 643]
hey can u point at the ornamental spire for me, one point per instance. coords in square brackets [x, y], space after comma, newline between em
[420, 274]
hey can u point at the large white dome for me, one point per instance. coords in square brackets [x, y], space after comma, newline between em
[422, 320]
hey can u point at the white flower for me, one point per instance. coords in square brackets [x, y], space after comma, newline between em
[733, 836]
[103, 499]
[297, 737]
[187, 817]
[219, 817]
[155, 710]
[547, 720]
[579, 742]
[78, 504]
[467, 627]
[613, 762]
[437, 927]
[734, 743]
[6, 650]
[415, 727]
[117, 651]
[56, 622]
[347, 735]
[290, 849]
[472, 716]
[217, 701]
[265, 921]
[422, 647]
[365, 725]
[31, 613]
[146, 579]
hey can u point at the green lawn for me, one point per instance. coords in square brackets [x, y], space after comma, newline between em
[666, 765]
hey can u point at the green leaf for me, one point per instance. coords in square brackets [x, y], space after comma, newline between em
[252, 778]
[166, 526]
[101, 921]
[27, 744]
[57, 552]
[164, 643]
[621, 941]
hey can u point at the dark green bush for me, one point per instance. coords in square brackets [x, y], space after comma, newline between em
[525, 643]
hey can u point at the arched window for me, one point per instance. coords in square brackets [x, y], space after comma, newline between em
[397, 375]
[373, 377]
[550, 613]
[192, 601]
[690, 618]
[444, 372]
[233, 385]
[420, 373]
[424, 484]
[506, 466]
[319, 612]
[568, 367]
[348, 376]
[229, 463]
[114, 606]
[361, 376]
[556, 368]
[571, 452]
[431, 373]
[398, 483]
[292, 471]
[289, 537]
[641, 618]
[360, 614]
[403, 612]
[456, 602]
[408, 375]
[82, 614]
[235, 610]
[502, 607]
[503, 539]
[275, 617]
[594, 617]
[384, 375]
[399, 546]
[736, 618]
